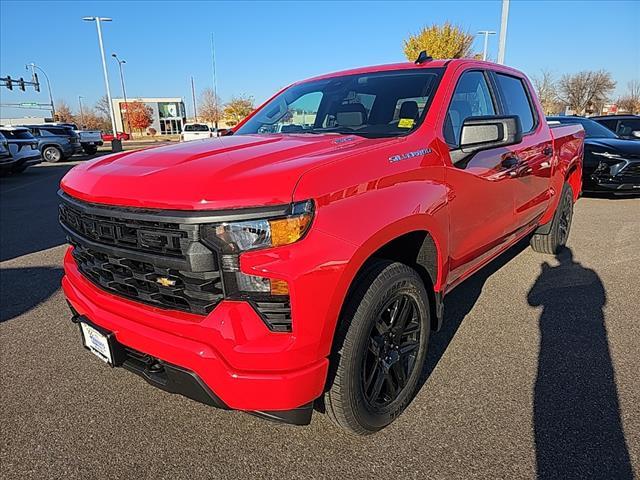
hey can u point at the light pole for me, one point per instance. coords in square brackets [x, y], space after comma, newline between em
[80, 97]
[116, 144]
[502, 45]
[33, 73]
[124, 91]
[486, 34]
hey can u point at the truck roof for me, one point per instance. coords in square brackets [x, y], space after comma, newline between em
[406, 66]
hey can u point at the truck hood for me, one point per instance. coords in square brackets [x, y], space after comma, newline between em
[217, 173]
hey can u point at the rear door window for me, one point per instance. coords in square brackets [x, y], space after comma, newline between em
[516, 100]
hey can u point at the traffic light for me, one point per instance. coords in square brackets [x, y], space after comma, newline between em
[36, 85]
[9, 84]
[21, 84]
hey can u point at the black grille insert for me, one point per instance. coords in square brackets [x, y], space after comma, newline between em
[194, 292]
[145, 236]
[276, 314]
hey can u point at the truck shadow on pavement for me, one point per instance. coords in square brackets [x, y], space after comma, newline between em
[22, 289]
[577, 424]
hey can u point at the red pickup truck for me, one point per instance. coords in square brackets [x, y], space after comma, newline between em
[304, 257]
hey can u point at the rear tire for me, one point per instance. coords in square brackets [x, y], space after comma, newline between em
[553, 241]
[380, 349]
[52, 155]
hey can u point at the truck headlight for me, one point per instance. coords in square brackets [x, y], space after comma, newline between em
[230, 239]
[237, 237]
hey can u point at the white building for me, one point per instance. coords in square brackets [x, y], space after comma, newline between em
[168, 114]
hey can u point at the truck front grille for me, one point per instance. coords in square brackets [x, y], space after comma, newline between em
[144, 236]
[194, 292]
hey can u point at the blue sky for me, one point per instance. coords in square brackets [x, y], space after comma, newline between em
[262, 46]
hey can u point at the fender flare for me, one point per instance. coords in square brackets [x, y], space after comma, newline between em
[414, 223]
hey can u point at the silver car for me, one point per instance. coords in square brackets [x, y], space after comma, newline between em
[18, 149]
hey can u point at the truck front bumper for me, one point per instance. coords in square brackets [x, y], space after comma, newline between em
[188, 349]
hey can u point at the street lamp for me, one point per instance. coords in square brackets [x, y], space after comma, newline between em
[486, 34]
[33, 67]
[80, 97]
[504, 19]
[124, 92]
[116, 144]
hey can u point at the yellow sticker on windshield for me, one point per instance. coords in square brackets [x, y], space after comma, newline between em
[406, 123]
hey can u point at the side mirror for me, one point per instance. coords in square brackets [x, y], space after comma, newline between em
[635, 133]
[223, 132]
[484, 133]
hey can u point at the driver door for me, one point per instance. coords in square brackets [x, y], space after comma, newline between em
[481, 192]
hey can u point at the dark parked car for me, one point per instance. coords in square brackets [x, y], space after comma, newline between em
[18, 149]
[625, 126]
[56, 143]
[610, 163]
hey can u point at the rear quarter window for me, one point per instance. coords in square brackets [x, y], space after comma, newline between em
[17, 134]
[516, 100]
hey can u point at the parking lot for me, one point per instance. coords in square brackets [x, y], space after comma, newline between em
[534, 374]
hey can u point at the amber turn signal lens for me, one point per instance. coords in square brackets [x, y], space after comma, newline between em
[279, 287]
[289, 230]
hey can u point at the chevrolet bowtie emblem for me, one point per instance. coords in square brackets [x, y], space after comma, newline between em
[165, 282]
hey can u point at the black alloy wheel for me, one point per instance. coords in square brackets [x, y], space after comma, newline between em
[393, 346]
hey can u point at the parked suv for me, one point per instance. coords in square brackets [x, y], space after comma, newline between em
[276, 268]
[625, 126]
[56, 143]
[18, 149]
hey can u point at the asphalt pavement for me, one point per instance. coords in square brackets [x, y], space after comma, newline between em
[536, 374]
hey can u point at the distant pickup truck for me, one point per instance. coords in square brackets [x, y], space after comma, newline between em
[90, 140]
[277, 268]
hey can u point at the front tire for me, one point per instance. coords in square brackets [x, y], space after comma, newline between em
[553, 241]
[52, 154]
[380, 349]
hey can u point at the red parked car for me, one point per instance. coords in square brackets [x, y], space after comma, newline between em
[306, 255]
[107, 137]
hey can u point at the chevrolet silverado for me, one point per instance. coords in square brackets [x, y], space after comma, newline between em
[302, 259]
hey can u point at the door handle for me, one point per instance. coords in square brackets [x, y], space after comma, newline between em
[510, 162]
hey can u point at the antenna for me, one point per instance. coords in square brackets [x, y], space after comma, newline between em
[423, 58]
[215, 79]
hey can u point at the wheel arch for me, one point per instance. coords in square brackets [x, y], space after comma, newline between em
[408, 242]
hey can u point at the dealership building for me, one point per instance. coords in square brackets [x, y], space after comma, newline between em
[169, 114]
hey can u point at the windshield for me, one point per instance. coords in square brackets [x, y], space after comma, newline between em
[592, 129]
[378, 104]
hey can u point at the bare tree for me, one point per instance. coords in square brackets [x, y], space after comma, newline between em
[547, 89]
[64, 113]
[92, 121]
[102, 106]
[210, 107]
[630, 102]
[586, 91]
